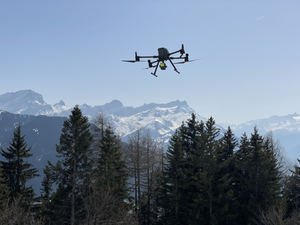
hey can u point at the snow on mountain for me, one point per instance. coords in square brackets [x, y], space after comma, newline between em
[289, 123]
[21, 101]
[31, 103]
[59, 109]
[160, 119]
[284, 128]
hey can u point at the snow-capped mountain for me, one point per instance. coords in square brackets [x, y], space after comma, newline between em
[285, 128]
[31, 103]
[160, 119]
[43, 129]
[289, 123]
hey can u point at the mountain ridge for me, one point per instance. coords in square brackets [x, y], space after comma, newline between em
[160, 119]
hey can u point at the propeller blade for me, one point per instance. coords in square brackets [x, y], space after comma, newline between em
[186, 61]
[193, 60]
[147, 68]
[131, 61]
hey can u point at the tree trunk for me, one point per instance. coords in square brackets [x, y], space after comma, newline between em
[73, 195]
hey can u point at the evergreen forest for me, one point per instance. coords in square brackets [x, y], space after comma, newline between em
[201, 177]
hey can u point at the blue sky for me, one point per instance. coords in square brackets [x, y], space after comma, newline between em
[72, 51]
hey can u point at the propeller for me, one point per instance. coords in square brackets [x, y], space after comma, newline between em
[133, 61]
[182, 51]
[186, 61]
[137, 59]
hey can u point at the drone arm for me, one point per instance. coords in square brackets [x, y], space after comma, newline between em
[186, 58]
[137, 58]
[176, 58]
[181, 51]
[174, 52]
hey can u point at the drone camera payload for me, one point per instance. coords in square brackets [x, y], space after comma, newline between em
[163, 55]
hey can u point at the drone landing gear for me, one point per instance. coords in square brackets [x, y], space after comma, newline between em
[154, 74]
[175, 69]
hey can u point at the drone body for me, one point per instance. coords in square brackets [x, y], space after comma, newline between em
[163, 55]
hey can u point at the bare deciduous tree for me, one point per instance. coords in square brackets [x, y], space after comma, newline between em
[101, 207]
[14, 214]
[272, 216]
[101, 124]
[144, 158]
[276, 215]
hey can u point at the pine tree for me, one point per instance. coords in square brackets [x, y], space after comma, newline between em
[192, 131]
[264, 174]
[173, 198]
[4, 191]
[242, 181]
[257, 177]
[229, 143]
[194, 152]
[43, 210]
[210, 146]
[191, 194]
[293, 190]
[72, 169]
[182, 195]
[18, 171]
[111, 168]
[47, 184]
[273, 175]
[58, 209]
[224, 176]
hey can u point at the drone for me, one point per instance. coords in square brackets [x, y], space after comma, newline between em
[163, 55]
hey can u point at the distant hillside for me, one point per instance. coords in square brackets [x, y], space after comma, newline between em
[41, 132]
[42, 123]
[285, 128]
[161, 120]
